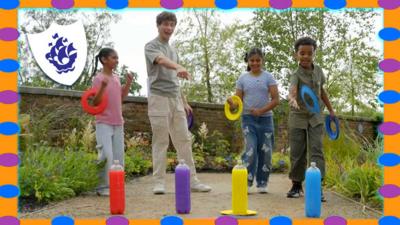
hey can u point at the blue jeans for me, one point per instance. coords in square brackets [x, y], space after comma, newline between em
[258, 135]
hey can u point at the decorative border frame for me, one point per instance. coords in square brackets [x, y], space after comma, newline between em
[9, 107]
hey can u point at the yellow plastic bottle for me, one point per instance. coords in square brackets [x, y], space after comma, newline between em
[239, 189]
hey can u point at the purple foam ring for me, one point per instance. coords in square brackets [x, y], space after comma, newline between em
[62, 4]
[335, 220]
[389, 191]
[226, 220]
[389, 128]
[9, 220]
[171, 4]
[9, 160]
[9, 97]
[280, 4]
[389, 65]
[117, 220]
[389, 4]
[9, 34]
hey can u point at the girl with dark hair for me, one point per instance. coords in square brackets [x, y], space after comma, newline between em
[109, 123]
[259, 93]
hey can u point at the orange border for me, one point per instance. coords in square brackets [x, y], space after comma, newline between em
[8, 81]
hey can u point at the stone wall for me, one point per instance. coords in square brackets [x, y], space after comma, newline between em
[41, 100]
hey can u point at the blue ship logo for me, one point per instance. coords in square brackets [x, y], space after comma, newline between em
[62, 55]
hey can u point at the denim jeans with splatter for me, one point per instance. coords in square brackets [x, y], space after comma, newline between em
[258, 135]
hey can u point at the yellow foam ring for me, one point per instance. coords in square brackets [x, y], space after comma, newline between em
[228, 113]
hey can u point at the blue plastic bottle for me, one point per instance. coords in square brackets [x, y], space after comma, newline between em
[182, 188]
[313, 191]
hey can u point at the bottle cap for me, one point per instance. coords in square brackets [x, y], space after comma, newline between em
[116, 161]
[313, 164]
[181, 161]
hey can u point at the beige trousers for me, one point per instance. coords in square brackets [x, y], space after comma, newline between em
[168, 119]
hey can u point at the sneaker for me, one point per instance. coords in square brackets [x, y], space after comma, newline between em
[159, 189]
[103, 192]
[295, 191]
[262, 190]
[198, 187]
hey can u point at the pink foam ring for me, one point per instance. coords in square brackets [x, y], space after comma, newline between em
[171, 4]
[62, 4]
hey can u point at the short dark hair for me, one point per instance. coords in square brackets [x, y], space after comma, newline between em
[305, 41]
[166, 16]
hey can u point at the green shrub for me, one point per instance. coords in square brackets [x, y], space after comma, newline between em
[280, 162]
[136, 163]
[50, 174]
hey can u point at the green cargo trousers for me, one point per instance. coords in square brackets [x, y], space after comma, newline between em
[298, 139]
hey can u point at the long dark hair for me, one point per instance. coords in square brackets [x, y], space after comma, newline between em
[104, 53]
[250, 53]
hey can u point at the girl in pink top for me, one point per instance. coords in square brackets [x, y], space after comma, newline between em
[109, 123]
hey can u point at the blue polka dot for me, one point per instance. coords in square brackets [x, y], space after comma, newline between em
[389, 96]
[9, 4]
[8, 128]
[389, 220]
[9, 65]
[171, 220]
[62, 220]
[117, 4]
[389, 34]
[335, 4]
[226, 4]
[280, 220]
[389, 159]
[9, 191]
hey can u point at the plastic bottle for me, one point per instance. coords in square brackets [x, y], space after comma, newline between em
[117, 188]
[239, 189]
[182, 188]
[313, 192]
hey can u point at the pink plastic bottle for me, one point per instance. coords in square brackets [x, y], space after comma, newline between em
[117, 188]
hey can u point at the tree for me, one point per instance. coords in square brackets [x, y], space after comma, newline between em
[207, 49]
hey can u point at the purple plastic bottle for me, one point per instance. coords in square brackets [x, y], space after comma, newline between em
[182, 188]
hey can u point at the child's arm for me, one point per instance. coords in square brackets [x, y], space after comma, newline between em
[325, 99]
[127, 86]
[273, 91]
[99, 94]
[293, 96]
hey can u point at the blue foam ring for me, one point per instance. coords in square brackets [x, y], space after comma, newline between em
[280, 220]
[389, 97]
[389, 220]
[389, 34]
[9, 191]
[389, 159]
[9, 65]
[307, 90]
[171, 220]
[332, 135]
[9, 4]
[9, 128]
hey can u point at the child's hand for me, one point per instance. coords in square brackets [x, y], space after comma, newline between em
[256, 112]
[129, 78]
[183, 73]
[293, 103]
[188, 109]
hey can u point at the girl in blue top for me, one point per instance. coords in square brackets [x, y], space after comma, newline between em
[259, 93]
